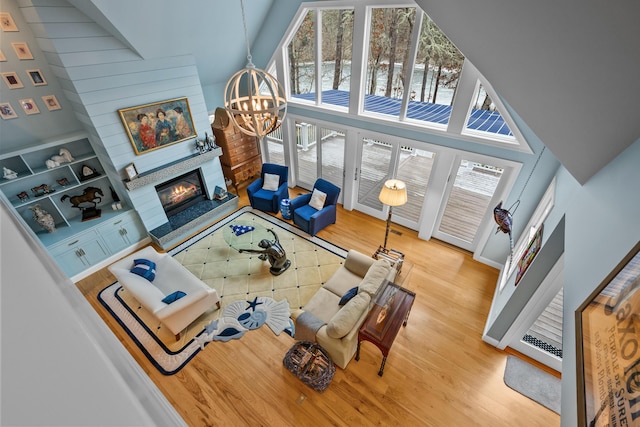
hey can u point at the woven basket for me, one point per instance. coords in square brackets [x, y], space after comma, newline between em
[311, 364]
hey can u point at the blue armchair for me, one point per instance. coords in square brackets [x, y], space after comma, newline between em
[268, 200]
[311, 219]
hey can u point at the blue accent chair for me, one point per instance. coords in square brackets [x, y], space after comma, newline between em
[266, 200]
[308, 218]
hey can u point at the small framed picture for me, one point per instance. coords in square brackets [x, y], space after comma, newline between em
[36, 77]
[7, 23]
[2, 57]
[12, 80]
[29, 106]
[131, 171]
[22, 50]
[7, 112]
[51, 102]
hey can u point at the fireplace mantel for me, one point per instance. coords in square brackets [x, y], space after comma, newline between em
[167, 171]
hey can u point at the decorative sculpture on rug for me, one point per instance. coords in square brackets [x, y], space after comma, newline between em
[273, 251]
[90, 195]
[43, 218]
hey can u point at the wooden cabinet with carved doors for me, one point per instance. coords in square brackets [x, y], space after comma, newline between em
[241, 159]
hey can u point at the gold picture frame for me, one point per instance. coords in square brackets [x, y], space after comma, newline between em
[608, 354]
[157, 125]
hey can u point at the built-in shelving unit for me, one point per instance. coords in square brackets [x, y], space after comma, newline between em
[75, 244]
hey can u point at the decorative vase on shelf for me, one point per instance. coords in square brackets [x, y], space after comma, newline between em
[43, 218]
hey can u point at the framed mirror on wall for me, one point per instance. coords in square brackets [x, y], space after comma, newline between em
[608, 356]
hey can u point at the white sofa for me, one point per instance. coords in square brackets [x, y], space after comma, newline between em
[338, 334]
[171, 276]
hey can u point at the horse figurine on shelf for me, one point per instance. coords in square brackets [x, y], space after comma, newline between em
[89, 195]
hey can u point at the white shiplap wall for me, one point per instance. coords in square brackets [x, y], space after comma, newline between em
[99, 75]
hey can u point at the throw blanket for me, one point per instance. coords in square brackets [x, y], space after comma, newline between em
[307, 324]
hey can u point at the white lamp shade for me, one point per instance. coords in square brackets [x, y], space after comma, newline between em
[393, 193]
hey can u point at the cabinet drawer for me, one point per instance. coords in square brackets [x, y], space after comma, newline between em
[242, 154]
[255, 166]
[239, 140]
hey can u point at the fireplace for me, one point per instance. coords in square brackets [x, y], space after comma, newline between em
[181, 192]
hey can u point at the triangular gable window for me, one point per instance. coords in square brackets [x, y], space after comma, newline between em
[406, 75]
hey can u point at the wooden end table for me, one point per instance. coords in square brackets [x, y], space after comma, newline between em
[392, 305]
[395, 257]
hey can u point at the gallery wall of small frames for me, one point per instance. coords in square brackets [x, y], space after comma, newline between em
[19, 79]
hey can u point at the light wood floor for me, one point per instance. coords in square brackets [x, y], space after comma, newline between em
[439, 371]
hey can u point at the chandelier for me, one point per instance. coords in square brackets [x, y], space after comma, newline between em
[254, 99]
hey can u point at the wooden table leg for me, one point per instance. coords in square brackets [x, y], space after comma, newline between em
[381, 371]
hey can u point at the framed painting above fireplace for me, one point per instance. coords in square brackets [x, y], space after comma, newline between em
[157, 125]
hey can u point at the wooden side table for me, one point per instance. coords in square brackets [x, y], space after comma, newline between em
[391, 309]
[395, 258]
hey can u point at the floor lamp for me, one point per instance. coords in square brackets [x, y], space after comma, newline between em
[393, 193]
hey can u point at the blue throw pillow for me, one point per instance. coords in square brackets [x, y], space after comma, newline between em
[175, 296]
[144, 268]
[350, 294]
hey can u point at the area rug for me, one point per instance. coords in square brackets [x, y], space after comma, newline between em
[240, 279]
[533, 382]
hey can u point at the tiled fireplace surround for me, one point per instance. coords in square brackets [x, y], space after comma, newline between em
[166, 231]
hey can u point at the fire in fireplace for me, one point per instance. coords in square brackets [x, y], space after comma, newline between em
[181, 192]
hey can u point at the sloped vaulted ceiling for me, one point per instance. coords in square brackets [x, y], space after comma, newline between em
[569, 69]
[211, 31]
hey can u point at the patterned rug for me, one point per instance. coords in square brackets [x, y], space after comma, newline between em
[241, 280]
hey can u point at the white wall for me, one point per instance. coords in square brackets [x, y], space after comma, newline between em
[60, 363]
[602, 225]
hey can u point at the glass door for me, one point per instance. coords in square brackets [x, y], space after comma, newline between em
[469, 196]
[414, 169]
[376, 161]
[332, 146]
[319, 154]
[307, 154]
[380, 160]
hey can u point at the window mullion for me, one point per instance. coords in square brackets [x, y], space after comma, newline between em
[467, 85]
[318, 48]
[411, 64]
[361, 18]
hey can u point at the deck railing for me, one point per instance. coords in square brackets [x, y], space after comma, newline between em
[305, 135]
